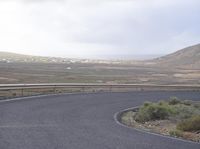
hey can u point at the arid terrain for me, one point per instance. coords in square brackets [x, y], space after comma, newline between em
[181, 67]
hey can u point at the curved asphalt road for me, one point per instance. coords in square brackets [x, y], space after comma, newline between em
[81, 121]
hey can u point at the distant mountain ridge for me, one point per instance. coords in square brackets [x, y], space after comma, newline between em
[186, 58]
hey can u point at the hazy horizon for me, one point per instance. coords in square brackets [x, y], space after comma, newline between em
[98, 29]
[101, 57]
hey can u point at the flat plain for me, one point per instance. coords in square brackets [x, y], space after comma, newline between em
[20, 72]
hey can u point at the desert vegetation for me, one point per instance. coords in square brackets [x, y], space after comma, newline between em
[174, 117]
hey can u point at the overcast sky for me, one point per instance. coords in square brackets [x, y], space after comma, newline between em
[97, 28]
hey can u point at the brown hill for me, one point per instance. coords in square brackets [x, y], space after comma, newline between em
[188, 57]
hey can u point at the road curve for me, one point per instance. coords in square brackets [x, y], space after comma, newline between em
[81, 121]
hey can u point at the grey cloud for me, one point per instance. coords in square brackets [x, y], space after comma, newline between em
[134, 25]
[124, 29]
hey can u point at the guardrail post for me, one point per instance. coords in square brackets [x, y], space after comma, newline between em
[110, 88]
[22, 92]
[54, 89]
[83, 89]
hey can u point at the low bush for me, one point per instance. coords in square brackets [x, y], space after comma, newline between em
[191, 124]
[176, 133]
[174, 101]
[153, 111]
[173, 109]
[187, 102]
[128, 117]
[197, 105]
[161, 102]
[182, 111]
[146, 104]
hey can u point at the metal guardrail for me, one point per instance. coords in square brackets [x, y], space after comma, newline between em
[90, 85]
[17, 90]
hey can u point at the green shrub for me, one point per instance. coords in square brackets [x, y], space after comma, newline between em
[147, 103]
[127, 117]
[173, 109]
[174, 101]
[176, 133]
[187, 102]
[191, 124]
[197, 105]
[161, 102]
[182, 111]
[152, 111]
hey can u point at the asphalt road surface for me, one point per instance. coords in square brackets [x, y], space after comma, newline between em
[81, 121]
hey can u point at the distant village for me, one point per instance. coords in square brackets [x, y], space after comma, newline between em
[38, 59]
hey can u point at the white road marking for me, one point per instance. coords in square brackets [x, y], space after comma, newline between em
[27, 126]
